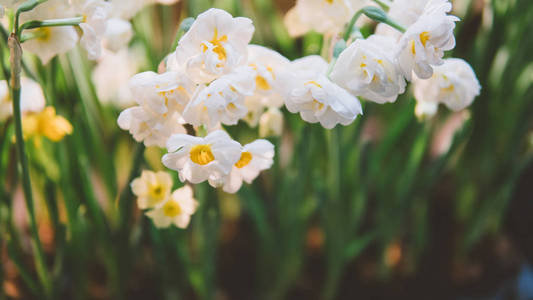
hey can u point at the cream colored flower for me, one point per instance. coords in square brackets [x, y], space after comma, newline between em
[214, 45]
[177, 210]
[255, 157]
[118, 34]
[50, 41]
[149, 127]
[422, 46]
[222, 101]
[152, 189]
[323, 16]
[403, 12]
[368, 68]
[453, 83]
[198, 159]
[95, 14]
[271, 123]
[162, 93]
[31, 98]
[317, 99]
[268, 65]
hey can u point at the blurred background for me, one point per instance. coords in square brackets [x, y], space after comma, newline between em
[390, 207]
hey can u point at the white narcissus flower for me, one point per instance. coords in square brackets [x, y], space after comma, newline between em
[222, 101]
[453, 83]
[152, 189]
[423, 44]
[176, 210]
[323, 16]
[118, 34]
[268, 65]
[162, 93]
[271, 123]
[95, 14]
[368, 68]
[317, 99]
[255, 157]
[31, 98]
[151, 128]
[127, 9]
[199, 159]
[214, 45]
[403, 12]
[50, 41]
[112, 74]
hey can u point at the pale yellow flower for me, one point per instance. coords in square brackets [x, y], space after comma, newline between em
[45, 123]
[152, 189]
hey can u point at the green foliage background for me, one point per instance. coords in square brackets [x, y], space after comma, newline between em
[333, 199]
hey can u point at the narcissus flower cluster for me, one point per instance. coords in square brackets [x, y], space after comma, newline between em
[215, 78]
[153, 191]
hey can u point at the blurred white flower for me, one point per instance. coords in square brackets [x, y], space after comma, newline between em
[453, 83]
[271, 123]
[152, 189]
[368, 68]
[95, 14]
[151, 128]
[162, 93]
[255, 157]
[112, 74]
[50, 41]
[214, 45]
[403, 12]
[423, 44]
[127, 9]
[31, 98]
[323, 16]
[202, 158]
[176, 210]
[317, 99]
[118, 34]
[222, 101]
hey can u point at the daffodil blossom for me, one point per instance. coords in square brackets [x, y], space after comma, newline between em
[31, 98]
[403, 12]
[176, 210]
[118, 34]
[112, 74]
[95, 14]
[152, 189]
[255, 157]
[423, 44]
[222, 101]
[323, 16]
[316, 98]
[198, 159]
[368, 68]
[267, 65]
[45, 123]
[214, 45]
[50, 41]
[162, 93]
[453, 83]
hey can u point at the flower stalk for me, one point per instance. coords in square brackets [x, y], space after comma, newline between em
[16, 67]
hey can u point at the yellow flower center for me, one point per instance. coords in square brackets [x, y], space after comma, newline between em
[318, 105]
[329, 1]
[449, 89]
[157, 193]
[424, 37]
[171, 209]
[201, 154]
[217, 42]
[245, 159]
[262, 83]
[43, 34]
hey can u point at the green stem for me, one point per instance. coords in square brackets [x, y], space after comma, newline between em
[349, 29]
[16, 66]
[27, 6]
[384, 4]
[50, 23]
[125, 200]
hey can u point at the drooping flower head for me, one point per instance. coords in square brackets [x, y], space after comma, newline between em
[316, 98]
[368, 68]
[453, 83]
